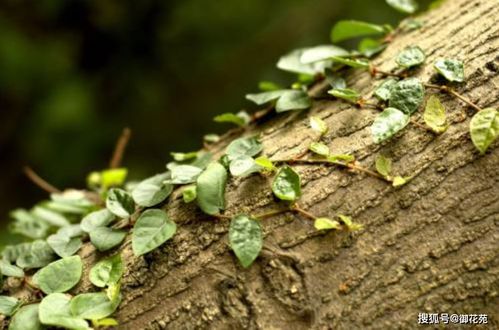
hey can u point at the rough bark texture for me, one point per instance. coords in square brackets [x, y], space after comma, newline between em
[429, 246]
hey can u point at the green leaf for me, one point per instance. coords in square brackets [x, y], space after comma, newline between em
[104, 238]
[55, 310]
[100, 218]
[246, 239]
[184, 174]
[346, 94]
[92, 306]
[183, 156]
[410, 24]
[26, 318]
[383, 165]
[51, 217]
[344, 158]
[451, 69]
[291, 62]
[241, 118]
[335, 80]
[63, 245]
[71, 231]
[152, 229]
[352, 226]
[113, 177]
[370, 47]
[211, 138]
[407, 95]
[120, 203]
[189, 194]
[286, 185]
[107, 271]
[399, 181]
[326, 223]
[210, 189]
[354, 63]
[265, 97]
[404, 6]
[8, 305]
[7, 269]
[382, 92]
[267, 86]
[265, 163]
[37, 254]
[434, 115]
[318, 125]
[113, 292]
[28, 225]
[243, 147]
[319, 148]
[293, 100]
[411, 56]
[321, 53]
[70, 201]
[60, 275]
[243, 166]
[105, 322]
[153, 190]
[484, 128]
[387, 124]
[344, 30]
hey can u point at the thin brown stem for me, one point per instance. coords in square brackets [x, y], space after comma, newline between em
[424, 127]
[120, 147]
[451, 91]
[271, 213]
[301, 211]
[37, 180]
[374, 71]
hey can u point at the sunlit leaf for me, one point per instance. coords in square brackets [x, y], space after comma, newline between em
[7, 269]
[55, 310]
[120, 203]
[243, 147]
[321, 53]
[104, 238]
[153, 190]
[184, 156]
[184, 174]
[387, 124]
[451, 69]
[246, 239]
[265, 163]
[26, 318]
[211, 138]
[344, 30]
[484, 128]
[434, 115]
[343, 158]
[189, 194]
[411, 56]
[92, 306]
[105, 322]
[404, 6]
[241, 118]
[292, 62]
[211, 189]
[107, 271]
[407, 95]
[152, 229]
[318, 125]
[326, 223]
[100, 218]
[399, 181]
[267, 86]
[287, 184]
[60, 275]
[319, 148]
[265, 97]
[346, 94]
[113, 177]
[383, 165]
[8, 305]
[352, 226]
[293, 100]
[382, 92]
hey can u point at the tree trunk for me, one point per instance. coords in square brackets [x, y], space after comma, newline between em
[430, 246]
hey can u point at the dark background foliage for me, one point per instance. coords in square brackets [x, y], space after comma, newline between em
[73, 73]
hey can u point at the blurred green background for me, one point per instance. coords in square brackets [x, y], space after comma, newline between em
[73, 73]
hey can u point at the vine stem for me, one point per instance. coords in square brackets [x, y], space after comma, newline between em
[301, 211]
[373, 71]
[271, 213]
[449, 90]
[119, 149]
[37, 180]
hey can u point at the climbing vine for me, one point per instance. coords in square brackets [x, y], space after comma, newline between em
[48, 265]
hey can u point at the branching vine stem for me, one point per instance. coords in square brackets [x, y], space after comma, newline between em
[451, 91]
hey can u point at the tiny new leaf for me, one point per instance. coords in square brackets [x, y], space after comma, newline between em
[241, 118]
[383, 165]
[107, 271]
[411, 56]
[399, 181]
[387, 124]
[113, 177]
[286, 185]
[404, 6]
[120, 203]
[189, 194]
[319, 148]
[152, 229]
[318, 125]
[243, 166]
[346, 94]
[484, 128]
[451, 69]
[352, 226]
[153, 190]
[246, 239]
[326, 223]
[210, 189]
[349, 29]
[291, 62]
[407, 95]
[265, 163]
[434, 115]
[60, 275]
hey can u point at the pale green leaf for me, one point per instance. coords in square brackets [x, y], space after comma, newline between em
[153, 190]
[383, 165]
[55, 310]
[241, 118]
[184, 156]
[63, 245]
[326, 223]
[346, 94]
[265, 97]
[210, 189]
[319, 148]
[100, 218]
[267, 86]
[407, 95]
[107, 271]
[37, 254]
[354, 63]
[152, 229]
[343, 158]
[382, 92]
[434, 115]
[319, 125]
[211, 138]
[92, 306]
[291, 62]
[51, 217]
[287, 184]
[70, 201]
[451, 69]
[265, 163]
[120, 203]
[293, 100]
[189, 194]
[246, 239]
[243, 166]
[404, 6]
[60, 275]
[8, 305]
[113, 177]
[399, 181]
[321, 53]
[26, 318]
[370, 47]
[243, 147]
[105, 322]
[344, 30]
[28, 225]
[387, 124]
[411, 56]
[104, 238]
[352, 226]
[7, 269]
[484, 128]
[184, 174]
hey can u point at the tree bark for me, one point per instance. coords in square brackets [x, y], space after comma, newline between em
[430, 246]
